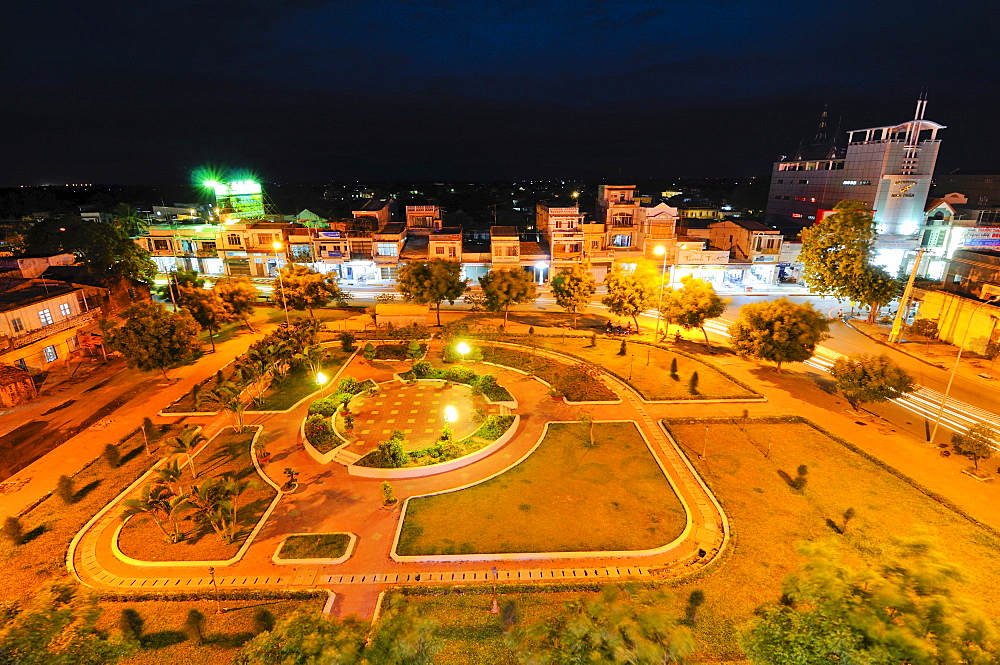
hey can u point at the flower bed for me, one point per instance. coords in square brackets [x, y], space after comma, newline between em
[284, 392]
[492, 429]
[397, 352]
[579, 383]
[486, 383]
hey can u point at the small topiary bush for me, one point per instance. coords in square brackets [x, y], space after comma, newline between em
[318, 430]
[369, 352]
[65, 490]
[422, 369]
[346, 341]
[325, 406]
[349, 385]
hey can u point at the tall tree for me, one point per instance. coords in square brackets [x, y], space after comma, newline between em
[692, 304]
[178, 279]
[614, 627]
[207, 308]
[837, 257]
[630, 293]
[573, 287]
[59, 625]
[228, 395]
[907, 609]
[154, 501]
[186, 442]
[153, 338]
[778, 331]
[305, 289]
[240, 295]
[865, 378]
[978, 442]
[504, 287]
[106, 248]
[431, 282]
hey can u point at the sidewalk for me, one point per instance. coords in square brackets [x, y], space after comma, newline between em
[39, 478]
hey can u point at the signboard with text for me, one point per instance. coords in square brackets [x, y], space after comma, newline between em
[986, 236]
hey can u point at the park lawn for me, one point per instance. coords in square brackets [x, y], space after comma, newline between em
[51, 525]
[314, 546]
[227, 452]
[566, 496]
[769, 518]
[164, 641]
[286, 391]
[653, 380]
[569, 377]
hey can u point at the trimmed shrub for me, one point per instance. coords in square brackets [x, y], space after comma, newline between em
[325, 406]
[422, 369]
[111, 456]
[12, 531]
[693, 383]
[414, 350]
[388, 496]
[623, 350]
[65, 490]
[369, 352]
[673, 369]
[391, 451]
[925, 327]
[494, 427]
[346, 341]
[349, 385]
[460, 375]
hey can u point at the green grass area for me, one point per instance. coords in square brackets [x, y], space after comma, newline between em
[572, 379]
[769, 519]
[228, 453]
[315, 546]
[647, 369]
[284, 392]
[51, 524]
[186, 403]
[568, 495]
[458, 374]
[165, 642]
[399, 351]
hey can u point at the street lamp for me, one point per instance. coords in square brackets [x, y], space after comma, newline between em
[281, 283]
[321, 378]
[462, 349]
[658, 250]
[947, 391]
[218, 601]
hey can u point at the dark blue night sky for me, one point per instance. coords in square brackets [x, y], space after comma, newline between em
[307, 90]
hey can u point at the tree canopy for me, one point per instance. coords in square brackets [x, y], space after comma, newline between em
[837, 257]
[128, 220]
[630, 293]
[239, 294]
[615, 626]
[431, 282]
[106, 248]
[207, 308]
[865, 378]
[692, 304]
[153, 338]
[778, 331]
[907, 609]
[573, 287]
[978, 442]
[305, 289]
[505, 287]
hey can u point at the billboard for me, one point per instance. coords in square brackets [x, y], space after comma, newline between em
[984, 236]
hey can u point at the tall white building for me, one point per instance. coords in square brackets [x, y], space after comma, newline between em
[889, 168]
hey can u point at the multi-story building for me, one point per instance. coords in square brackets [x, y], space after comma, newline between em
[889, 168]
[381, 210]
[42, 321]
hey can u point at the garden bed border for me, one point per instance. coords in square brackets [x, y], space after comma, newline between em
[348, 551]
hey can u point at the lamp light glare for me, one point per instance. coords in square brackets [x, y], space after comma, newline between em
[321, 378]
[450, 414]
[462, 348]
[659, 250]
[277, 245]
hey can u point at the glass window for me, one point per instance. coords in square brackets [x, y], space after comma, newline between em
[161, 245]
[622, 241]
[50, 353]
[45, 316]
[17, 324]
[20, 362]
[233, 239]
[64, 309]
[387, 249]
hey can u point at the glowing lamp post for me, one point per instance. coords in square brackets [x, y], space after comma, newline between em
[462, 349]
[660, 250]
[450, 416]
[321, 378]
[281, 283]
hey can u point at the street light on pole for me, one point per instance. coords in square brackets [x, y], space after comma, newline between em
[951, 378]
[218, 601]
[658, 250]
[281, 283]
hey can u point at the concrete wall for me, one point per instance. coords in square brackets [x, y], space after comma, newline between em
[956, 315]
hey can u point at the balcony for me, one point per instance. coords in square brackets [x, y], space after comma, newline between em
[207, 253]
[31, 336]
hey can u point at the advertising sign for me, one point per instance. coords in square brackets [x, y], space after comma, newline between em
[986, 236]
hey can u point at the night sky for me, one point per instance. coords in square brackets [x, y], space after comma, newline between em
[308, 90]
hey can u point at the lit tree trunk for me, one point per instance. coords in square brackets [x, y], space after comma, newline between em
[439, 313]
[705, 333]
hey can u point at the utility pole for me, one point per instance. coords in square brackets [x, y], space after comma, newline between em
[904, 302]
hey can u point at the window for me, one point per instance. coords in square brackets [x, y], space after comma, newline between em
[73, 343]
[45, 316]
[17, 325]
[387, 249]
[803, 182]
[161, 245]
[780, 180]
[50, 353]
[439, 250]
[233, 239]
[208, 245]
[64, 309]
[622, 241]
[512, 251]
[265, 238]
[621, 219]
[131, 292]
[595, 244]
[984, 200]
[20, 362]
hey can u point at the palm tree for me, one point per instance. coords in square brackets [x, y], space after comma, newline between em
[211, 504]
[234, 488]
[127, 218]
[313, 356]
[169, 475]
[228, 396]
[153, 501]
[173, 508]
[186, 442]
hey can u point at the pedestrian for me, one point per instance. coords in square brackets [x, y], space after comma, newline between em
[840, 314]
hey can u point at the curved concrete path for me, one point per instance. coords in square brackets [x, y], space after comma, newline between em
[331, 500]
